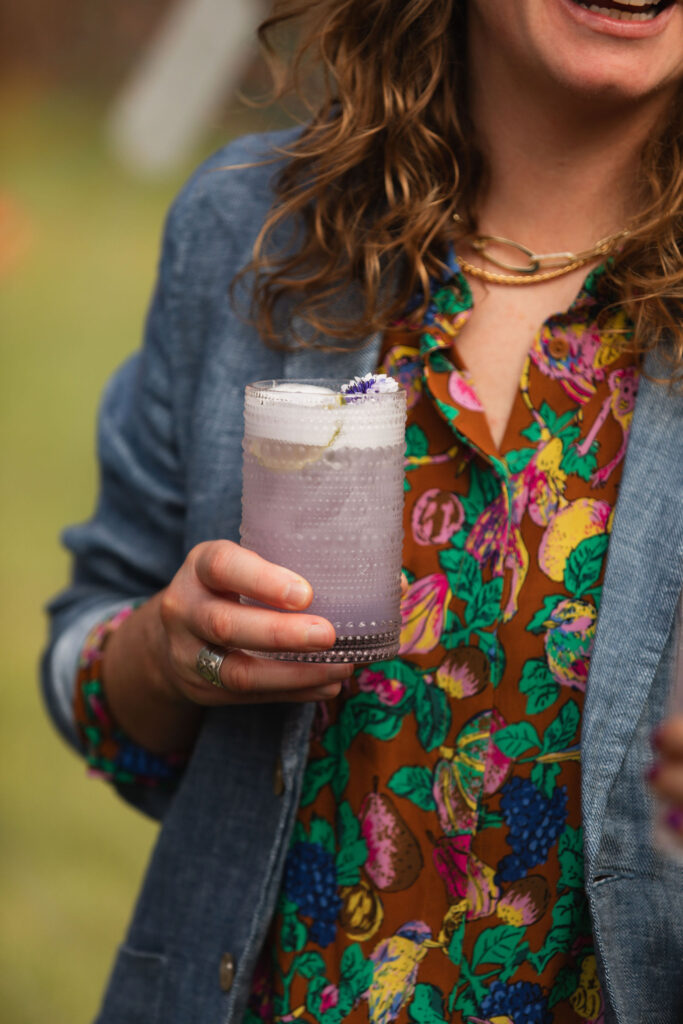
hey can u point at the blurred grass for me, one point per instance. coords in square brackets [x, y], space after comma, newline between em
[79, 257]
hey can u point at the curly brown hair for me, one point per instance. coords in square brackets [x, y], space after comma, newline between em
[389, 153]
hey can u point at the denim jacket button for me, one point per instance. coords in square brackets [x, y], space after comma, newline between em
[278, 778]
[226, 972]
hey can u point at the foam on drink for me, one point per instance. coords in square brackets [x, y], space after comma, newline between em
[313, 414]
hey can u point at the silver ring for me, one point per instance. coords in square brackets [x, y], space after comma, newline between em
[208, 665]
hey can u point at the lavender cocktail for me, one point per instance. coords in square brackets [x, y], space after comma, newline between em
[323, 496]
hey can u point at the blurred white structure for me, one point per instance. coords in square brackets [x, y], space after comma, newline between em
[194, 63]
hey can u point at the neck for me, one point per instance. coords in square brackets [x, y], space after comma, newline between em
[563, 169]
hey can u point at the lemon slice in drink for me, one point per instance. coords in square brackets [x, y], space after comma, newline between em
[295, 437]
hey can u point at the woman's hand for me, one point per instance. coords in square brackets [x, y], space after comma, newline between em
[150, 662]
[666, 775]
[201, 607]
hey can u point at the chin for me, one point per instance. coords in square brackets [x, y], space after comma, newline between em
[615, 59]
[611, 85]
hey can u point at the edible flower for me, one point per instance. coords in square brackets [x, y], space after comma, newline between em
[370, 384]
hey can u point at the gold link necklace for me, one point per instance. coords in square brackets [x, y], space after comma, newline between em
[556, 264]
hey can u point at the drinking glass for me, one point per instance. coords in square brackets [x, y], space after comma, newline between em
[323, 496]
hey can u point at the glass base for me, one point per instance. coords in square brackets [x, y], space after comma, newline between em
[347, 649]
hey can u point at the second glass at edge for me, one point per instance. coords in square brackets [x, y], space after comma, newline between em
[323, 496]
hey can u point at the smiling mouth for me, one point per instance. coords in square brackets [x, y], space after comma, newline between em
[626, 10]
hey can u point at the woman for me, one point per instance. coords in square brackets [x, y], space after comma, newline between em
[426, 860]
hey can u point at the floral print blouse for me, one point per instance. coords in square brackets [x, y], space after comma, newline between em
[435, 871]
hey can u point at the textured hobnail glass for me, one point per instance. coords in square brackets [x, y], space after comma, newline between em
[323, 496]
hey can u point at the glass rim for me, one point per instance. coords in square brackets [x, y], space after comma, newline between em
[333, 384]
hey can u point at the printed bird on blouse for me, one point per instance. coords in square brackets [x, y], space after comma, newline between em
[395, 970]
[569, 641]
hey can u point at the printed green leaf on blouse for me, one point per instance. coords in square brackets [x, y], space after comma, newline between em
[518, 459]
[320, 831]
[293, 932]
[356, 977]
[539, 622]
[565, 984]
[353, 850]
[484, 489]
[539, 685]
[484, 608]
[433, 715]
[584, 564]
[427, 1006]
[570, 855]
[543, 776]
[463, 572]
[414, 782]
[496, 945]
[575, 464]
[563, 730]
[516, 739]
[319, 772]
[417, 445]
[570, 920]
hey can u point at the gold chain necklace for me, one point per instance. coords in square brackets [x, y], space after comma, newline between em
[556, 264]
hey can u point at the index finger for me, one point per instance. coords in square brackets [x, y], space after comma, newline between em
[225, 567]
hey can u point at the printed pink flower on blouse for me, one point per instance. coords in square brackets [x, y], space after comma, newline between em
[388, 691]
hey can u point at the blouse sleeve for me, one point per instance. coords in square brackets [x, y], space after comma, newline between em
[109, 752]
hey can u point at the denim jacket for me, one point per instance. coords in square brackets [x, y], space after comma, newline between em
[170, 454]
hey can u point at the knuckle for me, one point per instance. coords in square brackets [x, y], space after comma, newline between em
[218, 624]
[219, 563]
[279, 634]
[263, 579]
[169, 607]
[215, 566]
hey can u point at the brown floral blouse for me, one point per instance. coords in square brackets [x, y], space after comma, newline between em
[435, 872]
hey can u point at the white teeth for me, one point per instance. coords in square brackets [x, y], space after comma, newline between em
[617, 15]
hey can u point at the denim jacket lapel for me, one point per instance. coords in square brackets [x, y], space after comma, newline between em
[643, 580]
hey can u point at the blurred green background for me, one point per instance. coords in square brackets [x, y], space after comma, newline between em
[78, 247]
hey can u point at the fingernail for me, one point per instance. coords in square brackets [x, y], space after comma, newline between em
[319, 636]
[674, 820]
[298, 593]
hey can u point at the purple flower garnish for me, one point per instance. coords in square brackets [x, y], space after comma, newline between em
[370, 384]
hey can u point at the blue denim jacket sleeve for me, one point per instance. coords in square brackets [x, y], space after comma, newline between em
[140, 530]
[133, 544]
